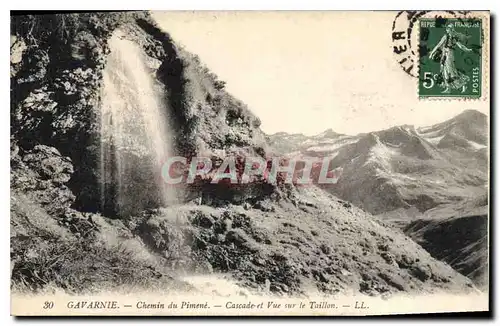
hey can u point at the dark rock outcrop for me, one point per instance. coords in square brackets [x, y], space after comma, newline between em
[56, 84]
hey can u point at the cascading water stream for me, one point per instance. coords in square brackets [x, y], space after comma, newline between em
[135, 134]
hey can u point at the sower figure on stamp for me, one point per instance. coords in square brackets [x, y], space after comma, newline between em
[452, 78]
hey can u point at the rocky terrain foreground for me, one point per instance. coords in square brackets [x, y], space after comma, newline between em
[271, 238]
[306, 240]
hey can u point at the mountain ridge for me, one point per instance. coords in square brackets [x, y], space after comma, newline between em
[421, 180]
[401, 152]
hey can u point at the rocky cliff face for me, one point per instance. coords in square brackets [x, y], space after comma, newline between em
[269, 238]
[56, 81]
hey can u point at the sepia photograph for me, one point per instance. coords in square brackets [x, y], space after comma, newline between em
[249, 163]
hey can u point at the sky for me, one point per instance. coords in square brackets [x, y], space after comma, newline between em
[305, 72]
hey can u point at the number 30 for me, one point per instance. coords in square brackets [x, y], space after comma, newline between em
[48, 305]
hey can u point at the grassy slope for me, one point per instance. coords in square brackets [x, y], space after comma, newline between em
[458, 235]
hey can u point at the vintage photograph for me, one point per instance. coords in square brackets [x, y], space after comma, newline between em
[228, 163]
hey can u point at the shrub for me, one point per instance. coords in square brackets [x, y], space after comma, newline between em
[78, 266]
[219, 85]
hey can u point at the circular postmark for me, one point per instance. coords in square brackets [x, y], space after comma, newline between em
[405, 41]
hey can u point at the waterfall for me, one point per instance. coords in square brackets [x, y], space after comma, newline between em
[135, 134]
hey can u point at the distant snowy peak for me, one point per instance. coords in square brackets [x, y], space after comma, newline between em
[403, 166]
[467, 130]
[329, 133]
[468, 117]
[326, 142]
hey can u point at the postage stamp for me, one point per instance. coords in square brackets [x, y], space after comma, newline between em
[450, 53]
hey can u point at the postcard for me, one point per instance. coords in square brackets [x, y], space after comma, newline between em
[244, 163]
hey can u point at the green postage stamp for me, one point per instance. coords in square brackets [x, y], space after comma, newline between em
[450, 53]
